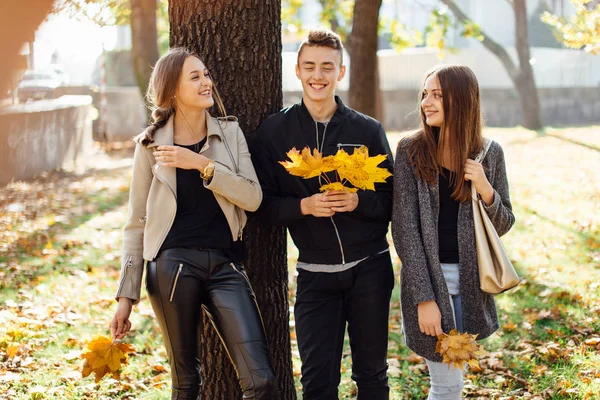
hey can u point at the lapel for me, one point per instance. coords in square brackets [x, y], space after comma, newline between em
[164, 137]
[431, 194]
[213, 130]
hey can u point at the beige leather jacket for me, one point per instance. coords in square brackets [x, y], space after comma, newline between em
[152, 196]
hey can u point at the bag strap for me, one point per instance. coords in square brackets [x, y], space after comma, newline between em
[479, 158]
[486, 147]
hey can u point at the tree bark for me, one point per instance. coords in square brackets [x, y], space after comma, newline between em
[144, 41]
[363, 55]
[240, 43]
[18, 23]
[522, 75]
[530, 103]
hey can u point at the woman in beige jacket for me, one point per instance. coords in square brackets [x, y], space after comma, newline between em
[192, 180]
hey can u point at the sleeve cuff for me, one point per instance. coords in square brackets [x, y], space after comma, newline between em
[290, 209]
[130, 281]
[362, 202]
[421, 297]
[493, 208]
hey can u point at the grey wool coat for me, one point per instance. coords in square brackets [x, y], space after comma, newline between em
[415, 233]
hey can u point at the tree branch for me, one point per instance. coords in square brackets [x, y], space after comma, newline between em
[493, 46]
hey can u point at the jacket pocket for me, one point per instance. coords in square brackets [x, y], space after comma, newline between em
[349, 147]
[175, 282]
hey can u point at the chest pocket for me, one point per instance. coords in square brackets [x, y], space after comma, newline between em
[349, 147]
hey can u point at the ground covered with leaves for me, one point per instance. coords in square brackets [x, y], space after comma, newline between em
[60, 237]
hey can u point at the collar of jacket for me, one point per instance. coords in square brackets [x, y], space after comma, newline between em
[338, 116]
[164, 135]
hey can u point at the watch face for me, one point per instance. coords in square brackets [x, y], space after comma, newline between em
[208, 170]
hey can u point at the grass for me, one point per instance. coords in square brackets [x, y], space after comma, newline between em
[59, 265]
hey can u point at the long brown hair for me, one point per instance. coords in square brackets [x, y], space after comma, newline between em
[460, 135]
[162, 90]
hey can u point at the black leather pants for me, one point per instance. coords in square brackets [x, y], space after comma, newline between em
[182, 281]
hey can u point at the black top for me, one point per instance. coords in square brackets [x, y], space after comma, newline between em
[447, 221]
[362, 232]
[199, 220]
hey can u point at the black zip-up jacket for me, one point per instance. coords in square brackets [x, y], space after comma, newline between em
[347, 236]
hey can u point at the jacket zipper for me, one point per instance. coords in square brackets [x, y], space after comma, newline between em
[240, 272]
[241, 229]
[164, 235]
[175, 283]
[337, 233]
[128, 265]
[339, 240]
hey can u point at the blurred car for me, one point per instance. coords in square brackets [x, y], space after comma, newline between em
[37, 85]
[62, 76]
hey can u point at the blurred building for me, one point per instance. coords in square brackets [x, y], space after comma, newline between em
[554, 66]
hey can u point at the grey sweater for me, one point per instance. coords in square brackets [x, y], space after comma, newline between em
[415, 233]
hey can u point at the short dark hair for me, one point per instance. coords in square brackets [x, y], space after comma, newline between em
[323, 38]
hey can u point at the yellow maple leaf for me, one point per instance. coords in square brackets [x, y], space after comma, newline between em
[458, 349]
[361, 170]
[102, 357]
[306, 164]
[337, 186]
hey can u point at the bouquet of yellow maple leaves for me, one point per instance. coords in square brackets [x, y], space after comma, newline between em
[459, 348]
[357, 168]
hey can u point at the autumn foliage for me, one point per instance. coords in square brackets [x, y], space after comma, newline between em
[358, 169]
[103, 356]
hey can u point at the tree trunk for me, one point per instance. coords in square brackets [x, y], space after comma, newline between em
[144, 41]
[363, 56]
[521, 76]
[18, 23]
[240, 43]
[530, 103]
[333, 22]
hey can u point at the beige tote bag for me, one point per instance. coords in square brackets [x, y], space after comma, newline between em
[496, 272]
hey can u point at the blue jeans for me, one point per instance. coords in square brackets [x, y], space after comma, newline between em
[446, 381]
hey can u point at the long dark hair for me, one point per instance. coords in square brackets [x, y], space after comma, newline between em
[459, 136]
[162, 90]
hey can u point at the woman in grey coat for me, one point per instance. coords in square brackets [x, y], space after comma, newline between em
[432, 220]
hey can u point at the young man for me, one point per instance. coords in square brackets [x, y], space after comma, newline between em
[344, 269]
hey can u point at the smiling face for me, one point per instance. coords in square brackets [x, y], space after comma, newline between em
[431, 102]
[194, 88]
[319, 69]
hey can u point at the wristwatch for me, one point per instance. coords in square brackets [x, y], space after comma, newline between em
[209, 170]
